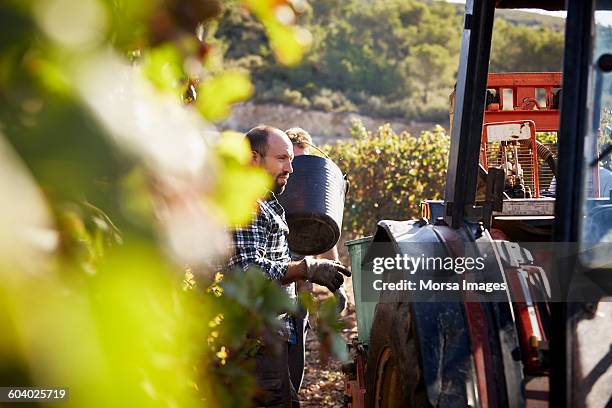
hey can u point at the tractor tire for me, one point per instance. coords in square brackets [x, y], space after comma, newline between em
[393, 371]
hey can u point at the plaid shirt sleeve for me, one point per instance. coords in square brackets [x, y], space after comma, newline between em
[250, 248]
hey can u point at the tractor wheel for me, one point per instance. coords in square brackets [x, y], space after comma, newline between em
[393, 372]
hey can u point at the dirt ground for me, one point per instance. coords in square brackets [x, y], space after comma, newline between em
[323, 386]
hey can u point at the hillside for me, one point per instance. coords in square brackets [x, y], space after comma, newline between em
[383, 58]
[519, 17]
[321, 125]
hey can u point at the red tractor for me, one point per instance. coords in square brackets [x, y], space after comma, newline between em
[530, 101]
[531, 327]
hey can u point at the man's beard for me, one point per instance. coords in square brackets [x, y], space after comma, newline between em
[278, 187]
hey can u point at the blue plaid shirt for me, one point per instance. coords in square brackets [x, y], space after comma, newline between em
[263, 243]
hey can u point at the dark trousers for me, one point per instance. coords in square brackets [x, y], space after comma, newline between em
[275, 389]
[297, 352]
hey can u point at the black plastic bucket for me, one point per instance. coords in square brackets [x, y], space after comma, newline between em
[314, 202]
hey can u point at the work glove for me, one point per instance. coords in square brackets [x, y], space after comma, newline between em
[325, 272]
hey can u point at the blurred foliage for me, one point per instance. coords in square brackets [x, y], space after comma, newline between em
[230, 87]
[389, 174]
[235, 154]
[242, 317]
[128, 329]
[113, 181]
[327, 326]
[391, 58]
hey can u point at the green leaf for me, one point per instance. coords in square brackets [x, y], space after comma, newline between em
[285, 41]
[239, 185]
[163, 66]
[233, 145]
[50, 76]
[218, 93]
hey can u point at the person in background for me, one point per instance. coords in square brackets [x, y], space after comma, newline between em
[301, 139]
[263, 243]
[302, 142]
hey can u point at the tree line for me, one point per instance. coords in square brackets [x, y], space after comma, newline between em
[389, 58]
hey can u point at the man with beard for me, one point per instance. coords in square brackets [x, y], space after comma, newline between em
[263, 243]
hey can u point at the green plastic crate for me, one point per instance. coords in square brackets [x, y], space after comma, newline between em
[357, 249]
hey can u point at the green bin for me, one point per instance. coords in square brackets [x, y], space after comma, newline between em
[357, 249]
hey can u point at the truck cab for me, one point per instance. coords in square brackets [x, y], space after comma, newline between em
[543, 336]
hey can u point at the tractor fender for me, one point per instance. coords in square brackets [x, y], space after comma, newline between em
[440, 327]
[492, 330]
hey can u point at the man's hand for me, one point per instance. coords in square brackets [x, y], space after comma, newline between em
[325, 272]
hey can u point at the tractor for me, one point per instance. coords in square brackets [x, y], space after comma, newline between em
[533, 327]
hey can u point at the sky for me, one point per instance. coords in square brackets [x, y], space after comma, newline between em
[601, 17]
[539, 11]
